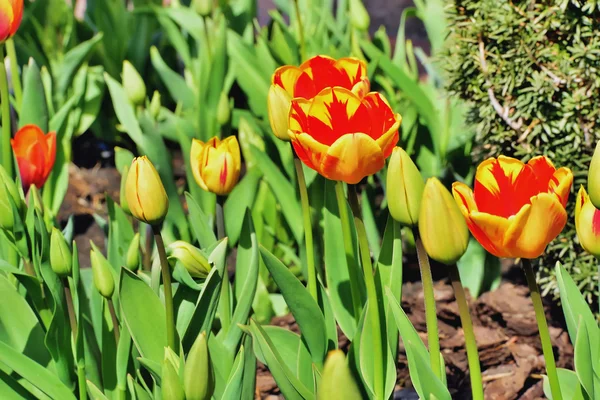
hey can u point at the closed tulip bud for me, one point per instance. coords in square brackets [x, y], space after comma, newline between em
[337, 382]
[587, 223]
[134, 85]
[442, 226]
[404, 188]
[359, 17]
[224, 109]
[171, 385]
[155, 105]
[146, 195]
[216, 164]
[278, 102]
[198, 376]
[133, 253]
[190, 257]
[594, 178]
[61, 259]
[123, 191]
[202, 7]
[101, 271]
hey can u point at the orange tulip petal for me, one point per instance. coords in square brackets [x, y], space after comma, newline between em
[489, 230]
[383, 118]
[51, 154]
[354, 68]
[351, 158]
[531, 230]
[286, 77]
[320, 72]
[309, 150]
[6, 20]
[464, 198]
[298, 116]
[561, 183]
[17, 7]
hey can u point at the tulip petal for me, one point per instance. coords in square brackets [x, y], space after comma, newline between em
[354, 68]
[362, 88]
[532, 229]
[233, 148]
[6, 20]
[17, 7]
[196, 161]
[309, 150]
[464, 198]
[351, 158]
[50, 139]
[489, 230]
[582, 198]
[286, 77]
[26, 138]
[278, 103]
[298, 115]
[320, 72]
[560, 183]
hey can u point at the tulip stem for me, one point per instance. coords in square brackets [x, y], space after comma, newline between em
[470, 342]
[300, 31]
[540, 316]
[166, 275]
[7, 156]
[115, 321]
[372, 298]
[220, 217]
[430, 311]
[14, 71]
[70, 308]
[349, 249]
[308, 234]
[147, 255]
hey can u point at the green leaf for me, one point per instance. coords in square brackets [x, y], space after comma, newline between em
[94, 392]
[144, 316]
[570, 387]
[109, 353]
[584, 361]
[175, 84]
[431, 386]
[249, 378]
[34, 373]
[72, 60]
[479, 270]
[304, 308]
[233, 389]
[199, 222]
[284, 192]
[240, 199]
[123, 157]
[246, 279]
[34, 109]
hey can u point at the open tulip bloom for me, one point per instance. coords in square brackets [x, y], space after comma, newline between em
[516, 209]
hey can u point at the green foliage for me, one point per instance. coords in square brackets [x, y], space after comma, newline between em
[529, 71]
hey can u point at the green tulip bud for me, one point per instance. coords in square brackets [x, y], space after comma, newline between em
[202, 7]
[359, 17]
[442, 226]
[61, 259]
[122, 196]
[594, 178]
[198, 377]
[101, 271]
[171, 386]
[223, 110]
[404, 188]
[190, 257]
[134, 85]
[133, 253]
[155, 105]
[337, 382]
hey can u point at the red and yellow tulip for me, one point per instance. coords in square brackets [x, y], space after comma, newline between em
[515, 209]
[587, 223]
[308, 80]
[35, 153]
[341, 135]
[216, 164]
[11, 14]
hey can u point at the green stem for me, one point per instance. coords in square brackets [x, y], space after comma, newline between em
[166, 275]
[224, 302]
[14, 71]
[7, 155]
[115, 321]
[470, 342]
[308, 234]
[82, 382]
[70, 308]
[147, 254]
[300, 31]
[540, 316]
[220, 217]
[349, 249]
[372, 299]
[430, 311]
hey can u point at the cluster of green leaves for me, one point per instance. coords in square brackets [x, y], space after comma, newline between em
[538, 62]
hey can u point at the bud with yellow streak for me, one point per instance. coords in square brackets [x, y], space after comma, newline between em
[404, 188]
[145, 193]
[216, 164]
[442, 227]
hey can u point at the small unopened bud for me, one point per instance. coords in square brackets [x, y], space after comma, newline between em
[202, 7]
[171, 384]
[146, 195]
[155, 105]
[61, 259]
[359, 17]
[190, 257]
[223, 110]
[133, 253]
[587, 223]
[101, 271]
[337, 382]
[278, 103]
[122, 196]
[442, 226]
[594, 177]
[134, 85]
[198, 376]
[404, 188]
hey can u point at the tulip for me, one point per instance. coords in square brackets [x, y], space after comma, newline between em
[442, 228]
[216, 164]
[61, 260]
[190, 257]
[134, 85]
[587, 223]
[307, 81]
[516, 209]
[337, 382]
[102, 274]
[145, 193]
[594, 177]
[404, 188]
[171, 384]
[35, 153]
[342, 136]
[11, 14]
[198, 376]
